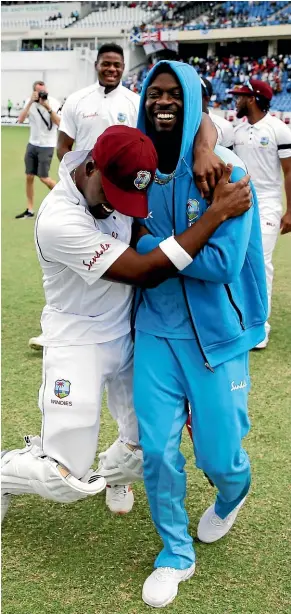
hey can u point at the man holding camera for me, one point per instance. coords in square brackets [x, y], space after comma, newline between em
[44, 121]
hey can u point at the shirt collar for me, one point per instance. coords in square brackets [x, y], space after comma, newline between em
[69, 162]
[258, 124]
[101, 89]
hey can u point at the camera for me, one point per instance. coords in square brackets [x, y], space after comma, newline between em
[43, 95]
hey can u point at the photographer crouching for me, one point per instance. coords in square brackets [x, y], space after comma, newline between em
[44, 121]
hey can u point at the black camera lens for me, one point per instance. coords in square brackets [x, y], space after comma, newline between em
[42, 95]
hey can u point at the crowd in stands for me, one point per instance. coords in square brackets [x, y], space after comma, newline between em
[210, 15]
[226, 73]
[242, 14]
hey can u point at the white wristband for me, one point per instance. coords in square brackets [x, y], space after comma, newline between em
[175, 253]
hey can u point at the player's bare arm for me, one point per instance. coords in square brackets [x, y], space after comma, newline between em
[64, 145]
[208, 167]
[286, 219]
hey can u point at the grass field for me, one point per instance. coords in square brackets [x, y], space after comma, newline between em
[79, 559]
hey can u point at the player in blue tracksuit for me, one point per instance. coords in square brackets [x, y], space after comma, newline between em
[193, 335]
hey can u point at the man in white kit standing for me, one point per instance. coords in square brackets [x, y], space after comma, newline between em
[263, 142]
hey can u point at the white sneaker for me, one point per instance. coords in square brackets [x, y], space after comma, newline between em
[263, 344]
[211, 527]
[161, 587]
[36, 343]
[119, 499]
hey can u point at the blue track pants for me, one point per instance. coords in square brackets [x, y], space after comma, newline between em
[166, 373]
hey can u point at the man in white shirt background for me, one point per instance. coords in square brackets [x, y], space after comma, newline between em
[41, 109]
[88, 112]
[263, 142]
[225, 133]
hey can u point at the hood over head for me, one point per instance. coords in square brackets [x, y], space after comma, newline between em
[192, 105]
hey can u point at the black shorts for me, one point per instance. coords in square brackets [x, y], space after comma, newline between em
[38, 160]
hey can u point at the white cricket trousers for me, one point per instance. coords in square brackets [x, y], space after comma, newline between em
[270, 231]
[70, 397]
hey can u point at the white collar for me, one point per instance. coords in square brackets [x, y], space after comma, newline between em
[258, 124]
[101, 88]
[70, 161]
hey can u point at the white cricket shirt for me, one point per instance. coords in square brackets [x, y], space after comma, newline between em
[224, 130]
[88, 112]
[261, 146]
[75, 250]
[40, 135]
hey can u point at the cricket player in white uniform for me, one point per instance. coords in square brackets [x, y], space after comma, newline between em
[82, 235]
[89, 111]
[263, 142]
[225, 132]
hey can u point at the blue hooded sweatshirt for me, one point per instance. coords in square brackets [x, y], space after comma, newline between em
[220, 298]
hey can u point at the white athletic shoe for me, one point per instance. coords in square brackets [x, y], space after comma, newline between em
[211, 527]
[119, 499]
[263, 344]
[36, 343]
[161, 587]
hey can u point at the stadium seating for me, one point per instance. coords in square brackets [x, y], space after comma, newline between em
[242, 14]
[123, 16]
[38, 15]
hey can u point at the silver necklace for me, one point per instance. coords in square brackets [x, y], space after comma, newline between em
[165, 180]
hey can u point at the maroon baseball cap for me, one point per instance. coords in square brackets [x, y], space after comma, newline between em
[254, 87]
[127, 161]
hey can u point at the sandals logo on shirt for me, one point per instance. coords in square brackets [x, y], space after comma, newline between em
[192, 210]
[97, 255]
[142, 180]
[121, 117]
[264, 141]
[62, 388]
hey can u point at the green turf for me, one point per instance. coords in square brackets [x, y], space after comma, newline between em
[79, 559]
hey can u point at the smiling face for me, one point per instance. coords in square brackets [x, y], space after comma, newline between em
[110, 67]
[164, 102]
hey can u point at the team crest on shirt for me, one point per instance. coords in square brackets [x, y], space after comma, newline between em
[121, 117]
[192, 210]
[62, 388]
[264, 141]
[142, 180]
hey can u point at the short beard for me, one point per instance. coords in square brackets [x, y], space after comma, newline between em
[242, 113]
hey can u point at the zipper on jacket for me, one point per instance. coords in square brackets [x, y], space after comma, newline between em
[206, 363]
[238, 311]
